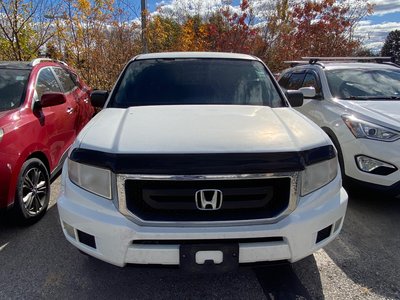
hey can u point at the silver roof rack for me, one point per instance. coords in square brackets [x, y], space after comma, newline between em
[36, 61]
[312, 60]
[294, 63]
[387, 60]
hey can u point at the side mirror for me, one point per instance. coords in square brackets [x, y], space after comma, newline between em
[98, 98]
[308, 92]
[295, 98]
[51, 99]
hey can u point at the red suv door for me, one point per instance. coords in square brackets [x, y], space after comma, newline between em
[59, 121]
[81, 93]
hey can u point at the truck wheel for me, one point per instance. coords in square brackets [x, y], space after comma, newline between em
[33, 191]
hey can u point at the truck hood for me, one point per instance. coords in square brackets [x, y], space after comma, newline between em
[200, 129]
[382, 112]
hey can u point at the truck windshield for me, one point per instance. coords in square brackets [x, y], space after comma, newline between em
[195, 81]
[364, 83]
[12, 88]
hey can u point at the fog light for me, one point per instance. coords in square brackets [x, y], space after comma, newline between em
[87, 239]
[69, 230]
[374, 166]
[323, 234]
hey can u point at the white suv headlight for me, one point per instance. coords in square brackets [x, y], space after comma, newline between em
[364, 129]
[317, 175]
[93, 179]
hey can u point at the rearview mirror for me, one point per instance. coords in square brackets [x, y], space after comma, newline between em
[308, 92]
[295, 98]
[98, 98]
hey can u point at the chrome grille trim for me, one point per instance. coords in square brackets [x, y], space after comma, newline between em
[120, 203]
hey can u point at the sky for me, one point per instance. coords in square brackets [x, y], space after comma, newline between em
[372, 29]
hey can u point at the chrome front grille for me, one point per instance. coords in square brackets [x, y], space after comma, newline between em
[162, 200]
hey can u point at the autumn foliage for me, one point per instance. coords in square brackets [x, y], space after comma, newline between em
[98, 36]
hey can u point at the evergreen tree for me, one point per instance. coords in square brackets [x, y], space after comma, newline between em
[392, 45]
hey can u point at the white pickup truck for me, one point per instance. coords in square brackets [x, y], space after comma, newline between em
[198, 160]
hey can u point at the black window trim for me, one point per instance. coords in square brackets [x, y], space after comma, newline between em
[295, 72]
[318, 77]
[285, 77]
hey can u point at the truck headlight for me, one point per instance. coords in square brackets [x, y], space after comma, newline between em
[317, 175]
[364, 129]
[93, 179]
[1, 133]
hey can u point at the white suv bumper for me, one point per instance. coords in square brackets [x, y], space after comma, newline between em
[119, 241]
[387, 152]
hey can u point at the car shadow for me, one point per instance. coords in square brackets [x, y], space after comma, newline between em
[300, 280]
[367, 249]
[46, 265]
[268, 282]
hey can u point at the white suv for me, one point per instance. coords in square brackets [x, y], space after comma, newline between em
[357, 103]
[198, 160]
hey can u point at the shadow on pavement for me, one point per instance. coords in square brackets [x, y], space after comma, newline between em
[37, 262]
[367, 250]
[298, 281]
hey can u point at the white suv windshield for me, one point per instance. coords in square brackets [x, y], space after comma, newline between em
[364, 84]
[195, 81]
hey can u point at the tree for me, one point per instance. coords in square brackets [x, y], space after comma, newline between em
[23, 28]
[391, 47]
[194, 35]
[96, 37]
[163, 34]
[231, 31]
[328, 25]
[319, 28]
[276, 28]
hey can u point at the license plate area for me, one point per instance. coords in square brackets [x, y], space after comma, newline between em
[210, 258]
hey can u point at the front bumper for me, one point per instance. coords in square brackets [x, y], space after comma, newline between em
[384, 151]
[118, 240]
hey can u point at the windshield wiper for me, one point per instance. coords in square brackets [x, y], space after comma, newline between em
[372, 98]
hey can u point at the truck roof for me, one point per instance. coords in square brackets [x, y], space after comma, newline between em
[173, 55]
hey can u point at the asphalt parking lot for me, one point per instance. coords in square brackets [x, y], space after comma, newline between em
[363, 263]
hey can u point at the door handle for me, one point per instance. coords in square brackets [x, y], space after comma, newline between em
[70, 110]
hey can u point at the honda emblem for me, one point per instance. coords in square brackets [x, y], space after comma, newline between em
[208, 199]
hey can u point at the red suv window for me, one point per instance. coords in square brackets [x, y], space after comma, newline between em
[46, 82]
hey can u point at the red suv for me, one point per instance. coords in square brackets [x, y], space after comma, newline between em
[43, 106]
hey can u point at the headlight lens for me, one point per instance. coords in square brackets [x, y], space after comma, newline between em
[317, 175]
[364, 129]
[93, 179]
[1, 133]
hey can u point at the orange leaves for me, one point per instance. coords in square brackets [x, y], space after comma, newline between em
[222, 30]
[194, 35]
[83, 5]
